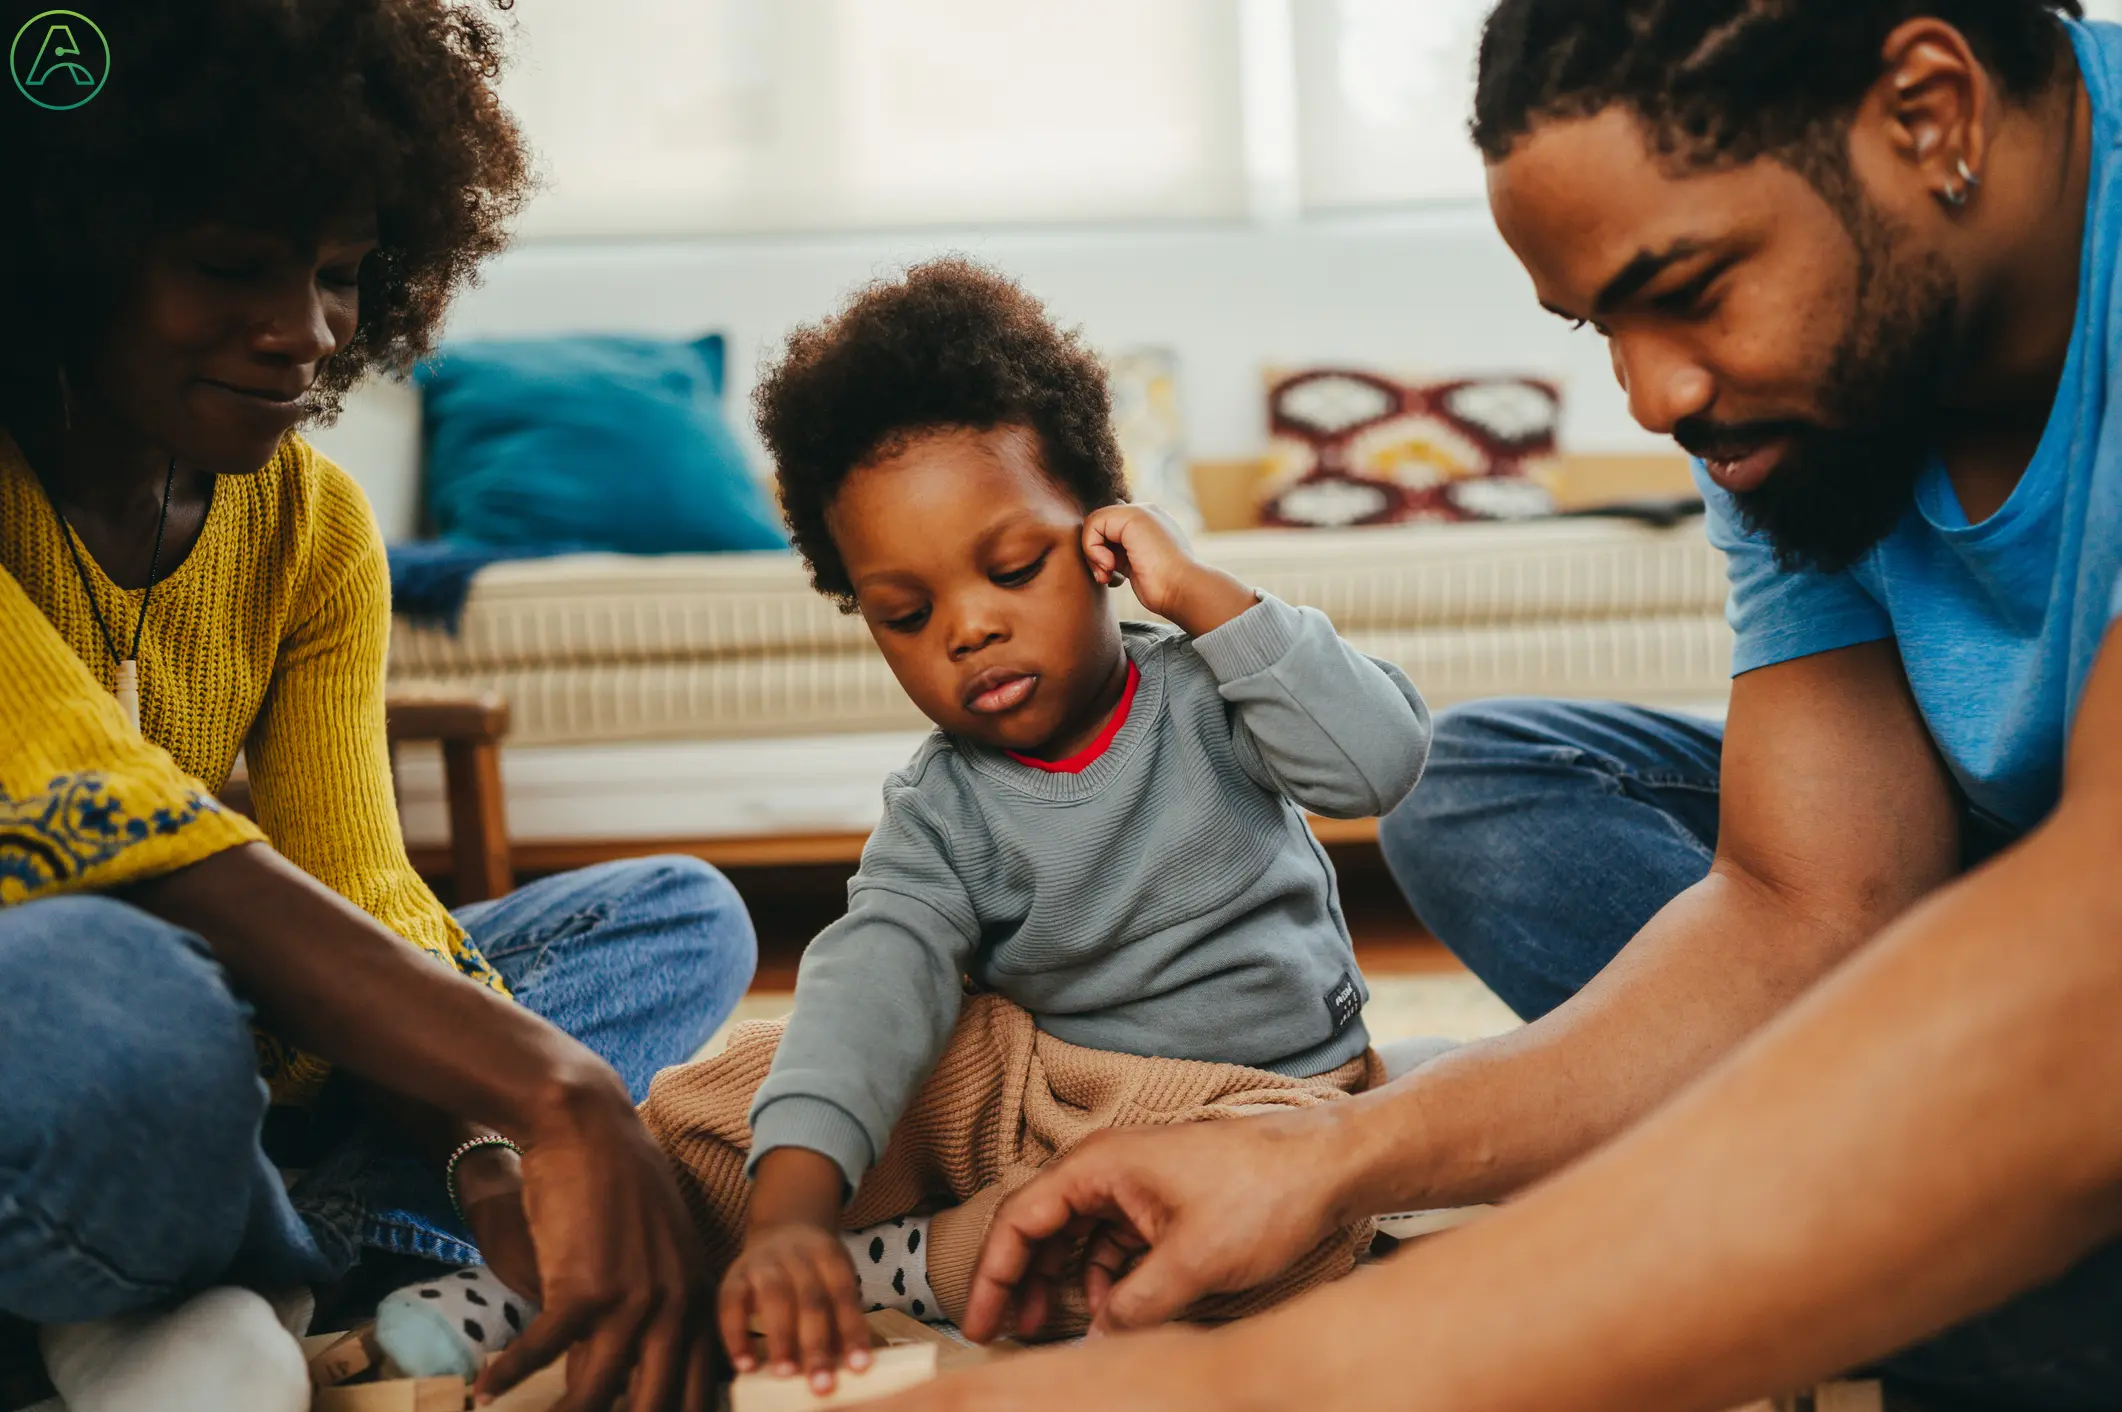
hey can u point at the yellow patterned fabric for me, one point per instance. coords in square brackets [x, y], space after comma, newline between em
[269, 638]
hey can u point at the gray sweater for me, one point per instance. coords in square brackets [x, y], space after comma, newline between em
[1168, 900]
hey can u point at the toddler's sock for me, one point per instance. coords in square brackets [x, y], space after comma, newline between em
[449, 1326]
[891, 1267]
[221, 1351]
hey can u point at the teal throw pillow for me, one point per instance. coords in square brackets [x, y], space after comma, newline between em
[593, 442]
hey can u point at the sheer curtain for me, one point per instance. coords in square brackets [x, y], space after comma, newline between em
[666, 116]
[707, 116]
[1384, 88]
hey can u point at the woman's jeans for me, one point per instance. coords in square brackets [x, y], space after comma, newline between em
[134, 1129]
[1543, 837]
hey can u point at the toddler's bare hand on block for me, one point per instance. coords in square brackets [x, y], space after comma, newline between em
[793, 1281]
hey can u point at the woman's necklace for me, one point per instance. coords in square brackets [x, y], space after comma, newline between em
[128, 688]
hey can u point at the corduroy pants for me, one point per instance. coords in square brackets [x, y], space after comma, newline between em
[1004, 1100]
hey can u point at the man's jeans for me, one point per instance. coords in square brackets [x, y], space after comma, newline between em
[131, 1162]
[1544, 836]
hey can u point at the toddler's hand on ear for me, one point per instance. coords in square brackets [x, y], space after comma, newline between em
[1137, 544]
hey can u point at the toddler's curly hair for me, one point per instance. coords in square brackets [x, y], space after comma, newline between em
[948, 344]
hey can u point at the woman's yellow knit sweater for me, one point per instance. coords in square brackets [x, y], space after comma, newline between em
[268, 638]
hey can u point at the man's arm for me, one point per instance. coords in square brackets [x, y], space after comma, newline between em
[1938, 1127]
[1836, 818]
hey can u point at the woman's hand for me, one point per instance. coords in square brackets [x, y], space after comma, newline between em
[1132, 543]
[624, 1281]
[490, 1193]
[1170, 1214]
[793, 1280]
[622, 1276]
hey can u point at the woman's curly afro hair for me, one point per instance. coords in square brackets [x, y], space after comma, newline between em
[274, 114]
[948, 345]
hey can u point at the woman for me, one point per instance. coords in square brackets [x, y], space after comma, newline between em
[265, 203]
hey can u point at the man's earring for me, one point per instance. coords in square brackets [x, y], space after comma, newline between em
[66, 397]
[1957, 196]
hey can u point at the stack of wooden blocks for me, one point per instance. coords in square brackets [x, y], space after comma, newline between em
[344, 1368]
[347, 1373]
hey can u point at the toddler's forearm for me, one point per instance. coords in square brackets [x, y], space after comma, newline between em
[796, 1186]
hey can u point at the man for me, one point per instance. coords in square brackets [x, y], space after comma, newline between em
[1809, 1080]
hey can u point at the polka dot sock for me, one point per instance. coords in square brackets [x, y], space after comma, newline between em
[450, 1326]
[891, 1267]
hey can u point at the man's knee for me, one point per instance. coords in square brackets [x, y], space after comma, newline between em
[1460, 841]
[1469, 742]
[1508, 727]
[131, 1075]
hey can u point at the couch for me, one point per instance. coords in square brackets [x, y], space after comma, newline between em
[716, 704]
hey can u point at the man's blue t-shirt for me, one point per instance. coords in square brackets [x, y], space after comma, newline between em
[1997, 623]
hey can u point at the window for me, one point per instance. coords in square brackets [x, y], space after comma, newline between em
[1384, 88]
[699, 116]
[726, 115]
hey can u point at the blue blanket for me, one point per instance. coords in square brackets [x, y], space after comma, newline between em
[430, 578]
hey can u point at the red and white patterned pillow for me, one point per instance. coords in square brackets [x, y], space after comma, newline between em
[1355, 448]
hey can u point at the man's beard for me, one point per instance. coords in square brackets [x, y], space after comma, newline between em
[1847, 481]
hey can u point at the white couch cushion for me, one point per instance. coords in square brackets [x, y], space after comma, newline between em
[608, 608]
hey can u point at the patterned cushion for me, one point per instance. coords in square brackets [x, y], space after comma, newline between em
[1357, 448]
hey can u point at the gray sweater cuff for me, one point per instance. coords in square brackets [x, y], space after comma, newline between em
[1253, 641]
[816, 1123]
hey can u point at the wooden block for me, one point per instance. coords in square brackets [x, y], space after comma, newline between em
[888, 1326]
[535, 1393]
[441, 1395]
[394, 1396]
[397, 1395]
[895, 1326]
[345, 1356]
[894, 1369]
[1849, 1397]
[1828, 1397]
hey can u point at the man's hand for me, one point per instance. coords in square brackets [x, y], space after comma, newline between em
[1171, 1214]
[1134, 543]
[624, 1281]
[793, 1280]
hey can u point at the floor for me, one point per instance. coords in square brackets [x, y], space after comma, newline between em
[1417, 987]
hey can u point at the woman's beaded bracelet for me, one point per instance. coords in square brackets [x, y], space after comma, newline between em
[465, 1149]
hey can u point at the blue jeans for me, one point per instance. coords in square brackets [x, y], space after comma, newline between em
[1544, 836]
[132, 1166]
